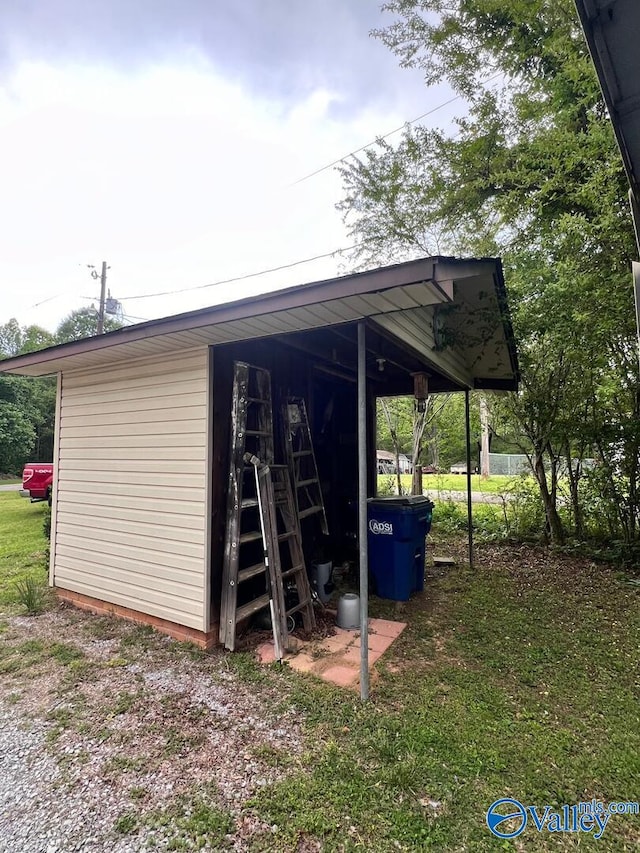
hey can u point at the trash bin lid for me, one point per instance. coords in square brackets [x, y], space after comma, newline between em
[399, 500]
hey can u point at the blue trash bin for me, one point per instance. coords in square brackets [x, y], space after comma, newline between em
[398, 527]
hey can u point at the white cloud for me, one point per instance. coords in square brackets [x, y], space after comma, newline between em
[174, 175]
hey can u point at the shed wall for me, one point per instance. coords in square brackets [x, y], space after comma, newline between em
[130, 502]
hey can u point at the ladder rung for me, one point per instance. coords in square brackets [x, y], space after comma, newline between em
[309, 511]
[264, 432]
[282, 537]
[258, 400]
[302, 483]
[249, 502]
[292, 571]
[252, 607]
[299, 606]
[251, 572]
[251, 536]
[298, 453]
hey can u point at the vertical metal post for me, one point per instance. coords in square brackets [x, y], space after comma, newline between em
[635, 216]
[467, 421]
[636, 289]
[362, 513]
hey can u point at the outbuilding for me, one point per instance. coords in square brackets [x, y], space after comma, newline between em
[143, 420]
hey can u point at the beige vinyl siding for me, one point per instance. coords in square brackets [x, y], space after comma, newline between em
[131, 486]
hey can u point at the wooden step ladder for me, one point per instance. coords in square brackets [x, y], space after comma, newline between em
[256, 534]
[302, 462]
[244, 573]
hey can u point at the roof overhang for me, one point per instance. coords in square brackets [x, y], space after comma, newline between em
[397, 302]
[612, 30]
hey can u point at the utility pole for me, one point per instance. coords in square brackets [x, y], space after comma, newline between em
[103, 293]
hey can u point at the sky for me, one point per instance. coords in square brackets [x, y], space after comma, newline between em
[168, 137]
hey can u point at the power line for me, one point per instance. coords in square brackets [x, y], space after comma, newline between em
[385, 136]
[373, 142]
[50, 298]
[246, 276]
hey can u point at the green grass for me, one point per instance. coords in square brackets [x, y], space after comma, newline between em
[22, 544]
[192, 822]
[433, 483]
[518, 678]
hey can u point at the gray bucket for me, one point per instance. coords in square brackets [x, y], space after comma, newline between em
[320, 580]
[348, 611]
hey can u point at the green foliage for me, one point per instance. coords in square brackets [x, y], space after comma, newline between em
[531, 172]
[46, 523]
[386, 485]
[194, 822]
[524, 514]
[126, 823]
[83, 323]
[27, 405]
[400, 411]
[17, 437]
[32, 594]
[16, 339]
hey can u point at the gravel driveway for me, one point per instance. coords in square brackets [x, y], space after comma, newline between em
[114, 739]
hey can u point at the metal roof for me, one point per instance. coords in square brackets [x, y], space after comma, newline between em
[397, 301]
[612, 30]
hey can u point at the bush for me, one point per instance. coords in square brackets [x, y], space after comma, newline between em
[386, 485]
[449, 517]
[524, 514]
[489, 522]
[488, 519]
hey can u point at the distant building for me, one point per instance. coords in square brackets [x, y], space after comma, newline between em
[386, 462]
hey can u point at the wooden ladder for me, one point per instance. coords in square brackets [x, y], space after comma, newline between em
[302, 462]
[263, 546]
[246, 575]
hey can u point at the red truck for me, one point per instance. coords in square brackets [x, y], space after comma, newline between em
[37, 481]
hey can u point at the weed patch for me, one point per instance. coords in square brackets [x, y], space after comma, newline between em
[193, 822]
[32, 594]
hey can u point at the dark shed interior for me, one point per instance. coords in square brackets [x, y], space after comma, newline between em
[320, 367]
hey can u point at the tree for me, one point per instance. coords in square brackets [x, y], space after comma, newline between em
[27, 405]
[402, 428]
[17, 437]
[83, 323]
[533, 173]
[16, 339]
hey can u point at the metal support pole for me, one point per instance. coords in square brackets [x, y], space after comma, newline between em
[467, 422]
[636, 290]
[362, 513]
[635, 216]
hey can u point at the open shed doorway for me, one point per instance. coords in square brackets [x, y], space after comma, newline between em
[327, 382]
